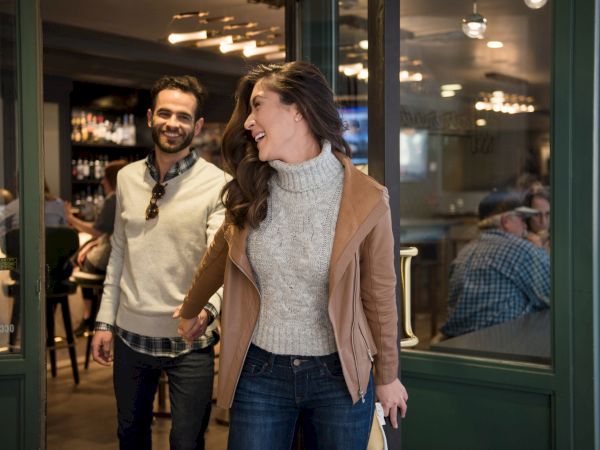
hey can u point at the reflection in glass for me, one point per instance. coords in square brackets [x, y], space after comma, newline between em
[474, 119]
[9, 243]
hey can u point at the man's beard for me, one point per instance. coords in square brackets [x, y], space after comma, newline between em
[185, 142]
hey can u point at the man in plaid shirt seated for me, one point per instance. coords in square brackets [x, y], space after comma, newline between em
[501, 275]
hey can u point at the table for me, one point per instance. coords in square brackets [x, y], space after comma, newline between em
[524, 339]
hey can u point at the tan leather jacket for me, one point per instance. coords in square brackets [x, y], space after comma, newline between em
[362, 284]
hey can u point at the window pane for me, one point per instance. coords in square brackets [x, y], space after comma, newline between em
[9, 203]
[474, 142]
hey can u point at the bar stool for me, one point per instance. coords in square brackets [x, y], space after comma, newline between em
[95, 282]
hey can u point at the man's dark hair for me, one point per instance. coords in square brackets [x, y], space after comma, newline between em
[184, 83]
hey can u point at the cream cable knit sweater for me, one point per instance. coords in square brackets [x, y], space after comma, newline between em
[290, 253]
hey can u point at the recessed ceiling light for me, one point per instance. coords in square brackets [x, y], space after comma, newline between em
[447, 93]
[495, 44]
[451, 87]
[481, 122]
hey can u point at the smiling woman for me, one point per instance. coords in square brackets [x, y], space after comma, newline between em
[302, 252]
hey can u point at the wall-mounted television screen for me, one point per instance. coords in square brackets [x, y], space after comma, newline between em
[356, 134]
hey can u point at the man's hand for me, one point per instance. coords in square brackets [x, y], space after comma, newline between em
[102, 347]
[392, 396]
[190, 329]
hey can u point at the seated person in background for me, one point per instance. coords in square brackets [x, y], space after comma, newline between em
[54, 212]
[539, 199]
[501, 275]
[93, 256]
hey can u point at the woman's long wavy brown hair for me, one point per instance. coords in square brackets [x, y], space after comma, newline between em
[297, 82]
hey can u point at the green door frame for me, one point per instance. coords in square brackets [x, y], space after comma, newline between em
[22, 376]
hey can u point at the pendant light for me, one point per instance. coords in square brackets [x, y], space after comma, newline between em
[474, 25]
[535, 4]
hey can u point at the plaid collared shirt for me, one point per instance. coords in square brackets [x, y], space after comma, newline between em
[161, 346]
[177, 169]
[496, 278]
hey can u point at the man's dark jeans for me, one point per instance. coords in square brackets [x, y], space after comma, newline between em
[135, 380]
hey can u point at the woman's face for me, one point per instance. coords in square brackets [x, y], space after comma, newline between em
[541, 221]
[279, 130]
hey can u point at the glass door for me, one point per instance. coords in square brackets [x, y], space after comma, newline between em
[21, 351]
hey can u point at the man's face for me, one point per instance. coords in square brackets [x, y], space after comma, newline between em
[172, 121]
[514, 223]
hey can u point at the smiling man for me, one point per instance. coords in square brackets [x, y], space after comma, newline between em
[168, 211]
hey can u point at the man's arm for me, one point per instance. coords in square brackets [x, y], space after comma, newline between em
[534, 277]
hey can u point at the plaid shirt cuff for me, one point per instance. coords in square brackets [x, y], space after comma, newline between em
[212, 313]
[102, 326]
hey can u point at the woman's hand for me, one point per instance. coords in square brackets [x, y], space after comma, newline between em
[392, 396]
[190, 329]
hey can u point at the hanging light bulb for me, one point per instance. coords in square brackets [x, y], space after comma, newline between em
[474, 25]
[535, 4]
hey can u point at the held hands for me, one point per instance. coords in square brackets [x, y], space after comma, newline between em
[392, 396]
[190, 329]
[101, 347]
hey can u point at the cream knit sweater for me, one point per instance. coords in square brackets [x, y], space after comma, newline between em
[290, 252]
[152, 261]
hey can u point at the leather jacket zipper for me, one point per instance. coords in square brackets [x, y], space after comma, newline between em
[360, 391]
[237, 380]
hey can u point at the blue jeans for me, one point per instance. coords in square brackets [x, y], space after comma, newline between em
[135, 378]
[277, 393]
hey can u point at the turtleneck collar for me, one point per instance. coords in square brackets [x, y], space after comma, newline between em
[307, 175]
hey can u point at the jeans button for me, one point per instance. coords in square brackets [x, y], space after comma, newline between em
[296, 362]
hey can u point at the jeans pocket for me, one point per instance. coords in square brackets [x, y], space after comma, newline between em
[254, 367]
[333, 369]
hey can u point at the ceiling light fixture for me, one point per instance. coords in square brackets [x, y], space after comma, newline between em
[249, 52]
[211, 42]
[474, 25]
[254, 33]
[237, 26]
[447, 94]
[350, 70]
[363, 74]
[451, 87]
[502, 102]
[176, 38]
[237, 46]
[275, 56]
[495, 44]
[407, 76]
[535, 4]
[364, 44]
[187, 15]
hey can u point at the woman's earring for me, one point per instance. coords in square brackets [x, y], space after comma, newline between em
[298, 117]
